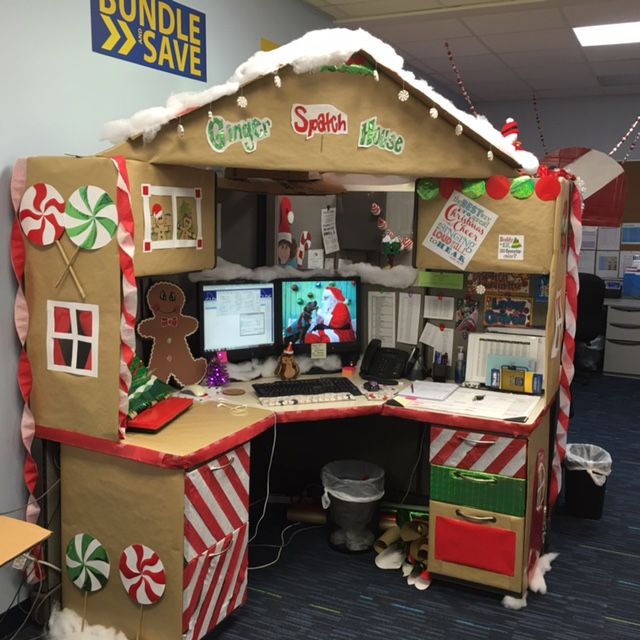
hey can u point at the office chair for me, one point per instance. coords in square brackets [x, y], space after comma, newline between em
[591, 320]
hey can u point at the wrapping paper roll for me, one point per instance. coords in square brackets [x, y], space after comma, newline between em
[389, 537]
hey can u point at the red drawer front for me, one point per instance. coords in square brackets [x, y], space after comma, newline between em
[500, 455]
[216, 501]
[215, 584]
[475, 545]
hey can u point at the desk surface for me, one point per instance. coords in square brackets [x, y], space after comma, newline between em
[622, 302]
[218, 423]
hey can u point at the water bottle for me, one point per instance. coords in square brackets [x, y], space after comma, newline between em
[459, 369]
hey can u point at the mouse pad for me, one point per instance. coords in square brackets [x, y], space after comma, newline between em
[159, 415]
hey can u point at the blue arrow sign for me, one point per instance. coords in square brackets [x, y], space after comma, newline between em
[161, 34]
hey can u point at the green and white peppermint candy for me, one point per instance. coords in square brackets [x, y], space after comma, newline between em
[91, 217]
[87, 563]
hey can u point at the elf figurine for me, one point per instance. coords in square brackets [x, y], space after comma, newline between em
[287, 368]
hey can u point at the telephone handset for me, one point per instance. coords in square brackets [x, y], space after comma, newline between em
[383, 364]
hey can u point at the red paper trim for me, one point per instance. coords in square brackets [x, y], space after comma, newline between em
[475, 545]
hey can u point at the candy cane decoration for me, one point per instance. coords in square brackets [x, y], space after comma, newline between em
[91, 220]
[126, 250]
[41, 215]
[568, 347]
[303, 246]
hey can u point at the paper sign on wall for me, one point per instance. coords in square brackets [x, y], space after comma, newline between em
[510, 247]
[318, 119]
[329, 230]
[459, 230]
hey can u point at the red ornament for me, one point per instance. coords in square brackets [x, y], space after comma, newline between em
[548, 187]
[448, 186]
[498, 187]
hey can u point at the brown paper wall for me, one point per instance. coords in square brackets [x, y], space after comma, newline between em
[120, 502]
[431, 147]
[63, 400]
[533, 218]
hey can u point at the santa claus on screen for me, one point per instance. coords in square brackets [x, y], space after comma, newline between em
[333, 320]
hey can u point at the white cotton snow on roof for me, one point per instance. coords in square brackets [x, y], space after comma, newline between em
[309, 53]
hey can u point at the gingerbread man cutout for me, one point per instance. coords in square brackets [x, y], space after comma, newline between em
[168, 328]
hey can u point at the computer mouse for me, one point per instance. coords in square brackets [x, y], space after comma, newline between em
[194, 390]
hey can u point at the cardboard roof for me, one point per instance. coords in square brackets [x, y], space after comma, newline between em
[431, 144]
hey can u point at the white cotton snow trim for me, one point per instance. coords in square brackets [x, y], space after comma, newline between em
[67, 625]
[252, 369]
[309, 53]
[537, 583]
[399, 277]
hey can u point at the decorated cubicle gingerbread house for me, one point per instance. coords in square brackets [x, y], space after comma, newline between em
[146, 208]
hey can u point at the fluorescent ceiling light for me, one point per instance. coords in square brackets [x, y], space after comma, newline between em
[603, 34]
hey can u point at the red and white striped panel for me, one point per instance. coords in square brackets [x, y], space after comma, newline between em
[216, 501]
[214, 585]
[500, 455]
[602, 181]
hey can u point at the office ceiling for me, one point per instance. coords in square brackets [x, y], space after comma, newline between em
[503, 49]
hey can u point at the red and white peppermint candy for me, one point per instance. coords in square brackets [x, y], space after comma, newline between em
[382, 223]
[142, 574]
[406, 243]
[376, 209]
[41, 214]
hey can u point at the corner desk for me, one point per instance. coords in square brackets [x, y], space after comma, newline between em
[184, 492]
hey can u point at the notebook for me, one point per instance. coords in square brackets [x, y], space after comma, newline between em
[159, 415]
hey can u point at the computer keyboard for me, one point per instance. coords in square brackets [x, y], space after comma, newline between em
[305, 391]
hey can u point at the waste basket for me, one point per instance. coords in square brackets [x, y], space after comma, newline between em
[352, 491]
[587, 468]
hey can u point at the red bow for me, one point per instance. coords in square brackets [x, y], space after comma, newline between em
[168, 322]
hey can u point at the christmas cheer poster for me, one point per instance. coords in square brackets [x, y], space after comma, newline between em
[460, 228]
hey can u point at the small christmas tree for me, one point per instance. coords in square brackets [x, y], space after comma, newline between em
[217, 374]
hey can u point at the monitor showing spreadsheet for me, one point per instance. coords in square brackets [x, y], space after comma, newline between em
[237, 317]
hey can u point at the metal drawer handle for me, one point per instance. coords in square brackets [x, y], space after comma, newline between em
[224, 466]
[461, 475]
[474, 441]
[630, 309]
[477, 519]
[620, 325]
[219, 553]
[626, 343]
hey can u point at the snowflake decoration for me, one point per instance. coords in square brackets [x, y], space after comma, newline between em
[490, 155]
[480, 289]
[459, 129]
[180, 130]
[433, 112]
[242, 102]
[277, 80]
[403, 95]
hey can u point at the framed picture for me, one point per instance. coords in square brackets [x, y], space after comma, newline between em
[507, 311]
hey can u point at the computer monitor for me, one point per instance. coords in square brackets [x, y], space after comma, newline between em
[319, 311]
[237, 317]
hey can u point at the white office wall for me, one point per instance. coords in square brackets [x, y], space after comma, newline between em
[56, 95]
[592, 122]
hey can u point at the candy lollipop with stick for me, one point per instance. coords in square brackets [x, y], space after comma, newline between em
[88, 566]
[91, 220]
[41, 216]
[143, 577]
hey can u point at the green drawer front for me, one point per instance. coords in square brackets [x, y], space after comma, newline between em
[480, 490]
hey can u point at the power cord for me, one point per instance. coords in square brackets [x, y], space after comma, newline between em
[53, 486]
[282, 544]
[266, 498]
[415, 466]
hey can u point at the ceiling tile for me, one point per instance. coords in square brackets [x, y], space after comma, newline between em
[617, 91]
[618, 52]
[616, 66]
[580, 14]
[515, 21]
[531, 40]
[578, 80]
[469, 64]
[543, 58]
[383, 7]
[569, 92]
[436, 48]
[416, 29]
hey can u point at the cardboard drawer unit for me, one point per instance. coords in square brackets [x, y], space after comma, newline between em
[476, 545]
[216, 508]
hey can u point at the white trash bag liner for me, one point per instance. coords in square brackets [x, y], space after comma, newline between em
[352, 481]
[590, 458]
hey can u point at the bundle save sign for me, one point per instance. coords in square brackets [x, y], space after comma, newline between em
[156, 33]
